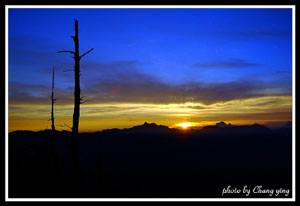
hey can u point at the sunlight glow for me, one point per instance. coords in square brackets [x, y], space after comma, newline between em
[99, 116]
[185, 125]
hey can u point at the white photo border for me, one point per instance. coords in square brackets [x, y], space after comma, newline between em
[293, 198]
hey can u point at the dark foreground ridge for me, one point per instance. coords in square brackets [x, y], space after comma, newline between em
[152, 161]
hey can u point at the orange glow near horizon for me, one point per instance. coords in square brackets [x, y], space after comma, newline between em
[99, 116]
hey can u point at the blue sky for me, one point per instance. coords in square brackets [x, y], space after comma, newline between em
[155, 56]
[166, 43]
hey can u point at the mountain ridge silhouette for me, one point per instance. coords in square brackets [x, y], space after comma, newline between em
[155, 128]
[151, 160]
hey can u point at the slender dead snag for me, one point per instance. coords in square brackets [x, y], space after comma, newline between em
[77, 98]
[51, 141]
[52, 103]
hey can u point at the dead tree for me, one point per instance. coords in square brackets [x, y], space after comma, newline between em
[52, 136]
[77, 98]
[52, 103]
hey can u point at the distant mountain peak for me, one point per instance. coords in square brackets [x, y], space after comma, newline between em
[287, 125]
[258, 125]
[147, 124]
[229, 128]
[149, 127]
[223, 124]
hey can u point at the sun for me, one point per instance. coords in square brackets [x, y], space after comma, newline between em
[185, 125]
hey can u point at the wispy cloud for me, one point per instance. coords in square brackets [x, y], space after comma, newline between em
[231, 63]
[121, 81]
[241, 34]
[36, 94]
[267, 33]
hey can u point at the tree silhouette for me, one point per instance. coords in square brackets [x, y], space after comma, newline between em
[51, 138]
[52, 103]
[77, 98]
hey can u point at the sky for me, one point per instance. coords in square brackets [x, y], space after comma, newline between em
[166, 66]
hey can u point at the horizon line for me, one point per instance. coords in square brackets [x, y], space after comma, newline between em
[169, 127]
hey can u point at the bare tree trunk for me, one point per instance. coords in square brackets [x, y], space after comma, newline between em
[52, 103]
[52, 117]
[76, 113]
[77, 101]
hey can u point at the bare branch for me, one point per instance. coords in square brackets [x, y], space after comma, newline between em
[82, 102]
[65, 125]
[86, 52]
[68, 126]
[68, 70]
[66, 51]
